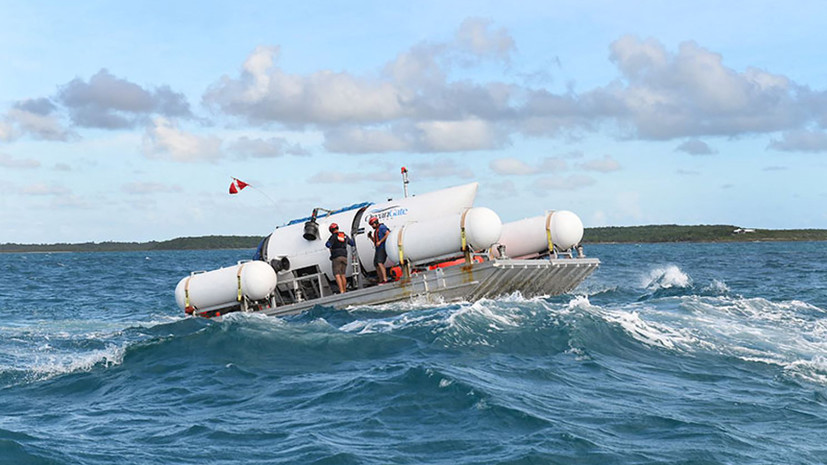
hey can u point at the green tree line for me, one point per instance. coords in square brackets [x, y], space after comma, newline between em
[699, 233]
[180, 243]
[609, 234]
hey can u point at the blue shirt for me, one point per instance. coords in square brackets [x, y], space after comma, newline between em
[381, 233]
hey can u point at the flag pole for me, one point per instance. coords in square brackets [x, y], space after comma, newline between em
[246, 184]
[265, 195]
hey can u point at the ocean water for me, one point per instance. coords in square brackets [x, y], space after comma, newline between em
[668, 354]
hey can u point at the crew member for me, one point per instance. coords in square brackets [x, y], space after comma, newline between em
[337, 244]
[378, 239]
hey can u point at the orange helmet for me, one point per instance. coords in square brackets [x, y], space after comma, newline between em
[373, 220]
[333, 227]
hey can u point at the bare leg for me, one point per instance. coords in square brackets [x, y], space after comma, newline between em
[342, 282]
[382, 275]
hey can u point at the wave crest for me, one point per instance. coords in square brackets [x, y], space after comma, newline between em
[667, 277]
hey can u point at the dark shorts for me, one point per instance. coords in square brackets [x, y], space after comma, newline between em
[380, 256]
[339, 265]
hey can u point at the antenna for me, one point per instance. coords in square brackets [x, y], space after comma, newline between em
[405, 180]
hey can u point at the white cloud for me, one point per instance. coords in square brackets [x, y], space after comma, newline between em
[692, 93]
[45, 189]
[143, 188]
[478, 36]
[427, 136]
[266, 148]
[6, 132]
[340, 177]
[165, 140]
[413, 105]
[454, 136]
[8, 161]
[565, 183]
[39, 125]
[801, 141]
[368, 140]
[408, 106]
[695, 147]
[511, 166]
[605, 165]
[441, 168]
[265, 93]
[553, 165]
[504, 189]
[515, 166]
[110, 102]
[66, 200]
[418, 102]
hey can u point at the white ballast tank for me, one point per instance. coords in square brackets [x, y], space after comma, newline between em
[424, 241]
[221, 288]
[530, 236]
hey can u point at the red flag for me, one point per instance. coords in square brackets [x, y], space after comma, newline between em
[237, 185]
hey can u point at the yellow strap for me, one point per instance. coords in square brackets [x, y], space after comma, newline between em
[548, 232]
[238, 275]
[187, 293]
[462, 230]
[399, 246]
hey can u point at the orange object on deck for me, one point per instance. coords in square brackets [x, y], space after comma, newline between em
[458, 261]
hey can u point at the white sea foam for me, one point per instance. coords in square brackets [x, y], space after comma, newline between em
[652, 333]
[387, 325]
[497, 316]
[417, 303]
[813, 370]
[57, 364]
[666, 277]
[717, 287]
[791, 335]
[580, 301]
[48, 348]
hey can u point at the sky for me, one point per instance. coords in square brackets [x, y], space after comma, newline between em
[126, 121]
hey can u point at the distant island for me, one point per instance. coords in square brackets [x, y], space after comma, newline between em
[699, 233]
[607, 234]
[181, 243]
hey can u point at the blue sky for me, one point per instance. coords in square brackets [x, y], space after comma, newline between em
[125, 121]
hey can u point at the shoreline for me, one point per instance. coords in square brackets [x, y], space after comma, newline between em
[652, 234]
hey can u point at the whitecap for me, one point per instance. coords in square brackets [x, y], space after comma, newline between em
[651, 333]
[486, 310]
[717, 287]
[387, 325]
[55, 365]
[666, 277]
[813, 370]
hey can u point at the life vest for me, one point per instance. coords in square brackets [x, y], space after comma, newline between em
[338, 245]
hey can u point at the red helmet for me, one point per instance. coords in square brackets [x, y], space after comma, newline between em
[373, 220]
[333, 227]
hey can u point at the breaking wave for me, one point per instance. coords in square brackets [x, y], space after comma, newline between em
[791, 335]
[666, 278]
